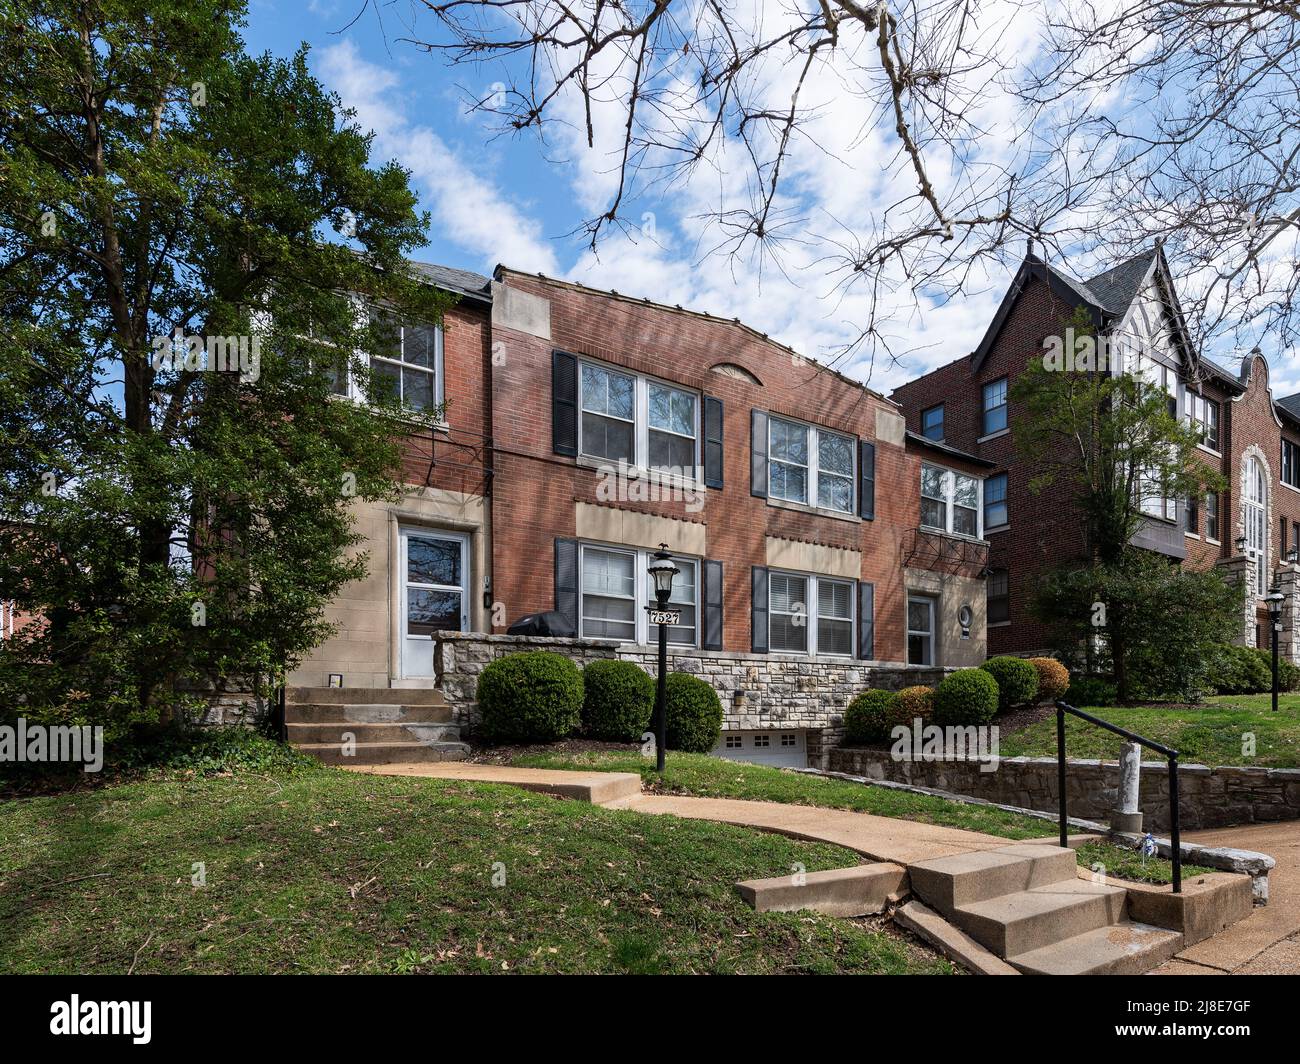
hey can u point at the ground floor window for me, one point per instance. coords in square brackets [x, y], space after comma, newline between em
[920, 630]
[998, 586]
[810, 614]
[617, 588]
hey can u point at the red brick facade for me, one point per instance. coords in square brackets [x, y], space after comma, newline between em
[1044, 530]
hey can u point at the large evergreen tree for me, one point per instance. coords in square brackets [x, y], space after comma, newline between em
[168, 521]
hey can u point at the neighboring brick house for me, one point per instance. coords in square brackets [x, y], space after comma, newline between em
[584, 428]
[1247, 530]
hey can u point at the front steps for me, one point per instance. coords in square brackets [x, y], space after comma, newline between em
[1027, 904]
[372, 726]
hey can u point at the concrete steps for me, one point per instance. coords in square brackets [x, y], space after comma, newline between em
[1027, 904]
[857, 891]
[352, 727]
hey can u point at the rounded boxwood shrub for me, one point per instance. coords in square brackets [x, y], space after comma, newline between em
[1017, 681]
[868, 718]
[534, 697]
[694, 721]
[914, 702]
[965, 697]
[1053, 678]
[618, 700]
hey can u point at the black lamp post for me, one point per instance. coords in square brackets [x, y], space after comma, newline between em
[1274, 600]
[662, 570]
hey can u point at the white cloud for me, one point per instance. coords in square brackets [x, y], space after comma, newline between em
[469, 209]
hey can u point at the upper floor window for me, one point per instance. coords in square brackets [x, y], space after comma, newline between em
[995, 406]
[810, 614]
[810, 465]
[630, 418]
[950, 501]
[998, 596]
[1291, 463]
[995, 501]
[617, 588]
[932, 423]
[1254, 492]
[1212, 517]
[1203, 413]
[408, 364]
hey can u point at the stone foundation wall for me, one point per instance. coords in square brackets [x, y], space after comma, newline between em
[1207, 797]
[758, 691]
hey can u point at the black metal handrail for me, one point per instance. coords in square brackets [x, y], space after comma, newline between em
[1171, 755]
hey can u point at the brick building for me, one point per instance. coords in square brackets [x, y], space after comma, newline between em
[584, 428]
[1253, 440]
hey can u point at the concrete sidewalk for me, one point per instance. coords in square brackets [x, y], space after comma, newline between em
[1267, 942]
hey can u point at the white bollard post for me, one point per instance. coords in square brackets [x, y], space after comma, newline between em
[1127, 815]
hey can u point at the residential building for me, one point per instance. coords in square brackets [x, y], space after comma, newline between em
[1247, 436]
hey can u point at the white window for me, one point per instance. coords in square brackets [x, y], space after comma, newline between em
[920, 630]
[617, 588]
[950, 501]
[810, 465]
[1254, 492]
[645, 423]
[810, 614]
[408, 364]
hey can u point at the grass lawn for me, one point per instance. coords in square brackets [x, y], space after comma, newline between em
[319, 870]
[1212, 734]
[713, 777]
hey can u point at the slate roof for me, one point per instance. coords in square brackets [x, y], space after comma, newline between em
[1114, 290]
[463, 282]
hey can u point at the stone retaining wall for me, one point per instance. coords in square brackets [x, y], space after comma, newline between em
[758, 691]
[1207, 797]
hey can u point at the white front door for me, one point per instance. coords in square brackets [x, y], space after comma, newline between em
[434, 594]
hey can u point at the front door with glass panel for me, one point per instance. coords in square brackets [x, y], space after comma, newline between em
[920, 630]
[435, 594]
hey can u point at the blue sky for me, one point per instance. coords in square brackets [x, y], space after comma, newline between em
[500, 199]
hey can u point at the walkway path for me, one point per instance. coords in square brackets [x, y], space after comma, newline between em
[1267, 942]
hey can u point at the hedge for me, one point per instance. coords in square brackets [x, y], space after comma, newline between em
[533, 697]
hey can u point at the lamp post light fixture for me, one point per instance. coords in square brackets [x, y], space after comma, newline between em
[1241, 544]
[662, 570]
[1293, 555]
[1274, 600]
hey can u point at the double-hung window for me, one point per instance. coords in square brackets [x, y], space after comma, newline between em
[1291, 463]
[950, 501]
[810, 465]
[1212, 517]
[810, 614]
[617, 588]
[998, 596]
[408, 363]
[644, 423]
[995, 501]
[995, 406]
[1203, 414]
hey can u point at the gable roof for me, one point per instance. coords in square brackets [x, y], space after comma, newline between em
[1115, 288]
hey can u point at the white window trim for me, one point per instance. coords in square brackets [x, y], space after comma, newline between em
[640, 465]
[814, 455]
[360, 360]
[950, 491]
[812, 614]
[640, 567]
[405, 532]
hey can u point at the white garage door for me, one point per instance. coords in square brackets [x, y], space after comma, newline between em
[784, 748]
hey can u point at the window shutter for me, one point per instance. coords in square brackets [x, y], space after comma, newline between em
[758, 638]
[712, 636]
[758, 453]
[712, 442]
[564, 403]
[866, 621]
[867, 480]
[566, 581]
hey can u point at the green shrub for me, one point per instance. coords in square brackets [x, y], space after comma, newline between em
[914, 702]
[694, 714]
[1053, 678]
[868, 718]
[1017, 681]
[1091, 691]
[1239, 670]
[1288, 674]
[618, 700]
[534, 697]
[965, 697]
